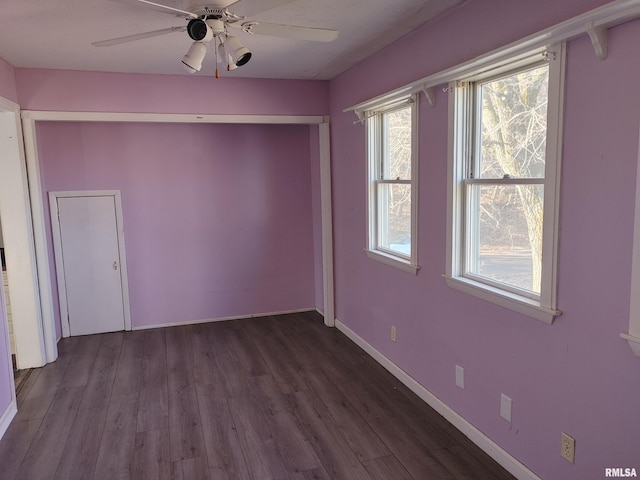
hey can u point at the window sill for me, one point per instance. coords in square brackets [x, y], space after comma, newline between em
[390, 260]
[513, 302]
[634, 343]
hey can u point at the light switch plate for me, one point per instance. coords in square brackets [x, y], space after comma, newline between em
[459, 376]
[505, 407]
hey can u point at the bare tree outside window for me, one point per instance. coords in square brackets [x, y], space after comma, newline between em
[512, 115]
[395, 192]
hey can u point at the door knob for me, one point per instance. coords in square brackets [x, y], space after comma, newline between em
[115, 265]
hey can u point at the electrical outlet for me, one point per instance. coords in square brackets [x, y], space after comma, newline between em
[567, 447]
[394, 333]
[505, 407]
[459, 376]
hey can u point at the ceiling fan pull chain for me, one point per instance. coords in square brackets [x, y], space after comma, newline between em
[215, 47]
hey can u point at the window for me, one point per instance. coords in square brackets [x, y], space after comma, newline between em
[506, 125]
[391, 186]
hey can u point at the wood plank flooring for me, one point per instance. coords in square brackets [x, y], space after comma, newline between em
[281, 398]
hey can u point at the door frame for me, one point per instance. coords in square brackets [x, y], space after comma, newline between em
[31, 117]
[59, 261]
[34, 334]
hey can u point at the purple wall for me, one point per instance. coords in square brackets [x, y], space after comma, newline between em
[218, 218]
[74, 91]
[7, 82]
[576, 375]
[8, 91]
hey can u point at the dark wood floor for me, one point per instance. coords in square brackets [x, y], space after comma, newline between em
[269, 398]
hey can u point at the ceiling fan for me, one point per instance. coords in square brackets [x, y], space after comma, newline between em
[210, 24]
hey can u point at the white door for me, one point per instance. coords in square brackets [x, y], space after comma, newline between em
[91, 264]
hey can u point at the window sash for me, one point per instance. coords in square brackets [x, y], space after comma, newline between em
[518, 264]
[384, 231]
[504, 181]
[378, 226]
[475, 109]
[472, 240]
[384, 161]
[460, 173]
[394, 182]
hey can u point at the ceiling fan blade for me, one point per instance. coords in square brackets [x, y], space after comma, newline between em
[137, 36]
[222, 4]
[290, 31]
[247, 8]
[165, 8]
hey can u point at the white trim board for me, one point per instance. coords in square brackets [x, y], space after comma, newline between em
[46, 323]
[633, 335]
[327, 224]
[7, 417]
[35, 345]
[172, 118]
[225, 319]
[491, 448]
[8, 106]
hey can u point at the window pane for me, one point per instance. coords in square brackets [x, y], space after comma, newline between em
[396, 145]
[394, 218]
[513, 121]
[507, 227]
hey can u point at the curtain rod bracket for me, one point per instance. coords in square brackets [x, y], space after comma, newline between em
[430, 94]
[599, 40]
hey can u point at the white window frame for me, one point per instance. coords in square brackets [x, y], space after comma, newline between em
[373, 118]
[633, 334]
[542, 307]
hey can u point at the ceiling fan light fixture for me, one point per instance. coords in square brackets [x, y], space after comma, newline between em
[199, 30]
[192, 61]
[239, 54]
[225, 59]
[230, 65]
[216, 26]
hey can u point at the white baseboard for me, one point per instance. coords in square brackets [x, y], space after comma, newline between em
[223, 319]
[7, 416]
[511, 464]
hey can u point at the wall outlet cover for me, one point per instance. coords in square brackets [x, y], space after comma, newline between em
[567, 447]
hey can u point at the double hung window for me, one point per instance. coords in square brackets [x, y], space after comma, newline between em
[392, 190]
[505, 155]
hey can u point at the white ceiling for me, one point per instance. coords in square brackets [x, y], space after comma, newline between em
[58, 34]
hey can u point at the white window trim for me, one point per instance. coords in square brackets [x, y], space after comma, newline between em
[401, 262]
[543, 309]
[633, 335]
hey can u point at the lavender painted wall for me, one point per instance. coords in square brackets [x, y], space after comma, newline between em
[576, 375]
[217, 218]
[74, 91]
[61, 90]
[7, 82]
